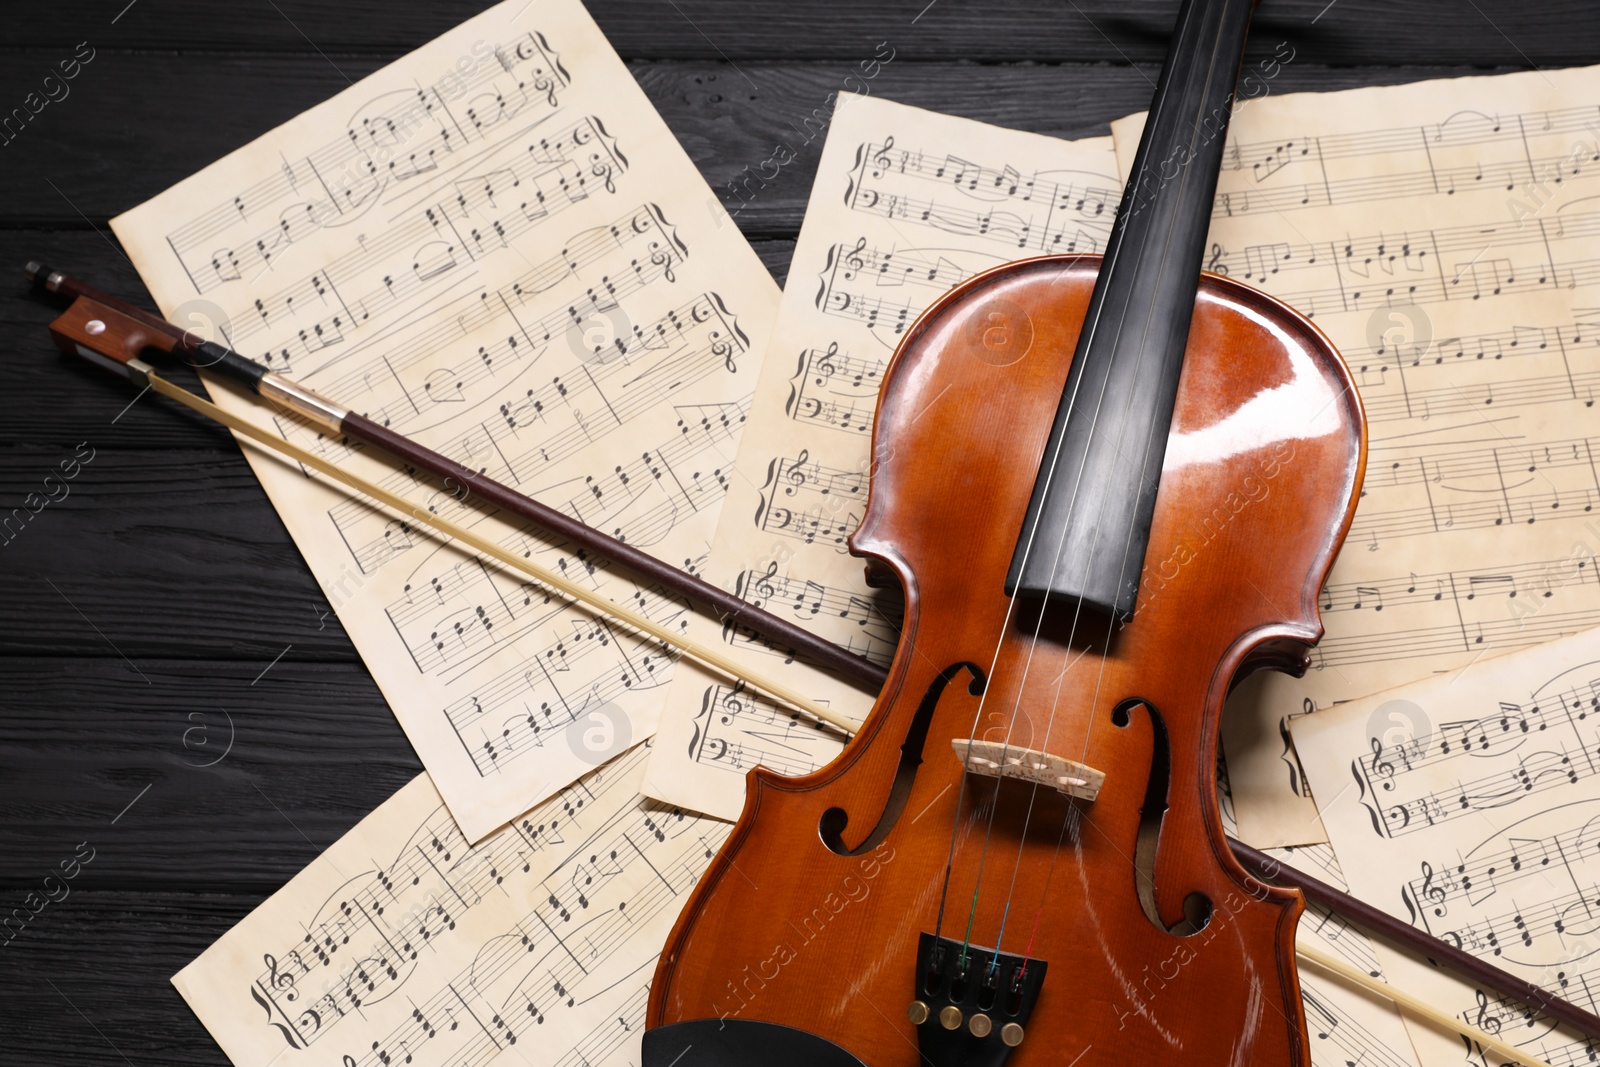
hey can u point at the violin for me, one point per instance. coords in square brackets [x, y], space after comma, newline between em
[1108, 486]
[1071, 632]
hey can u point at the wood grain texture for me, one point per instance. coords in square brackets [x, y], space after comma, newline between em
[1104, 31]
[87, 981]
[161, 554]
[171, 549]
[727, 120]
[81, 738]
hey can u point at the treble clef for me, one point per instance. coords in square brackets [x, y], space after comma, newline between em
[854, 261]
[880, 158]
[662, 258]
[1489, 1024]
[1434, 894]
[827, 364]
[1217, 264]
[732, 706]
[1382, 766]
[764, 587]
[600, 167]
[279, 979]
[796, 474]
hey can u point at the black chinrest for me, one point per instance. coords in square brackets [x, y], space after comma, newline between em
[739, 1043]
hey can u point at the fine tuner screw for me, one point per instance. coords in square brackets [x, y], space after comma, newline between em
[1011, 1034]
[950, 1017]
[917, 1012]
[980, 1025]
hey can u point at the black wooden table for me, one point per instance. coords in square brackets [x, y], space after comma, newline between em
[156, 614]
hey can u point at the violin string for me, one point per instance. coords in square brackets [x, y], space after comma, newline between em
[1077, 617]
[994, 660]
[1000, 642]
[1011, 722]
[1061, 836]
[1005, 627]
[1044, 603]
[1093, 704]
[1165, 252]
[1127, 544]
[1055, 566]
[1217, 66]
[1011, 602]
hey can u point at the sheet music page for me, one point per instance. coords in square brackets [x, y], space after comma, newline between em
[402, 943]
[1480, 828]
[1346, 1026]
[906, 204]
[496, 247]
[1442, 235]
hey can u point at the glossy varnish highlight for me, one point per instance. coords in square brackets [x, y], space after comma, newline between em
[1261, 476]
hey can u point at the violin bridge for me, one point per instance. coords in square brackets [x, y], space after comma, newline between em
[996, 759]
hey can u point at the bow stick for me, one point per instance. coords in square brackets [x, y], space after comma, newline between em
[138, 329]
[103, 333]
[1273, 870]
[115, 334]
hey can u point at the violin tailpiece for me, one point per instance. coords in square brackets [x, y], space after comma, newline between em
[972, 1003]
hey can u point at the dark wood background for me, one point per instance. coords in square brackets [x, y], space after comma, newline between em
[162, 599]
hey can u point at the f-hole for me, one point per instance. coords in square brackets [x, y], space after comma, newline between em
[1196, 906]
[831, 825]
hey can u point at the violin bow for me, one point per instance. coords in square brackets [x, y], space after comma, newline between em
[115, 334]
[137, 329]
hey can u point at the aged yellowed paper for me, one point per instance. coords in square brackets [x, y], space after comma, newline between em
[1344, 1024]
[496, 247]
[906, 204]
[1479, 826]
[403, 943]
[1442, 235]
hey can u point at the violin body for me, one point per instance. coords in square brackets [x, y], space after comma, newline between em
[812, 914]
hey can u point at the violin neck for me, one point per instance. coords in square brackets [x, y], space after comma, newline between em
[1088, 521]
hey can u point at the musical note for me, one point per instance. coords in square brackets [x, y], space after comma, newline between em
[496, 248]
[568, 906]
[1435, 248]
[1488, 835]
[964, 198]
[927, 202]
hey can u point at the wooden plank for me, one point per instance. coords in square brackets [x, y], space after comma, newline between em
[150, 555]
[140, 765]
[58, 400]
[1555, 33]
[87, 982]
[142, 107]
